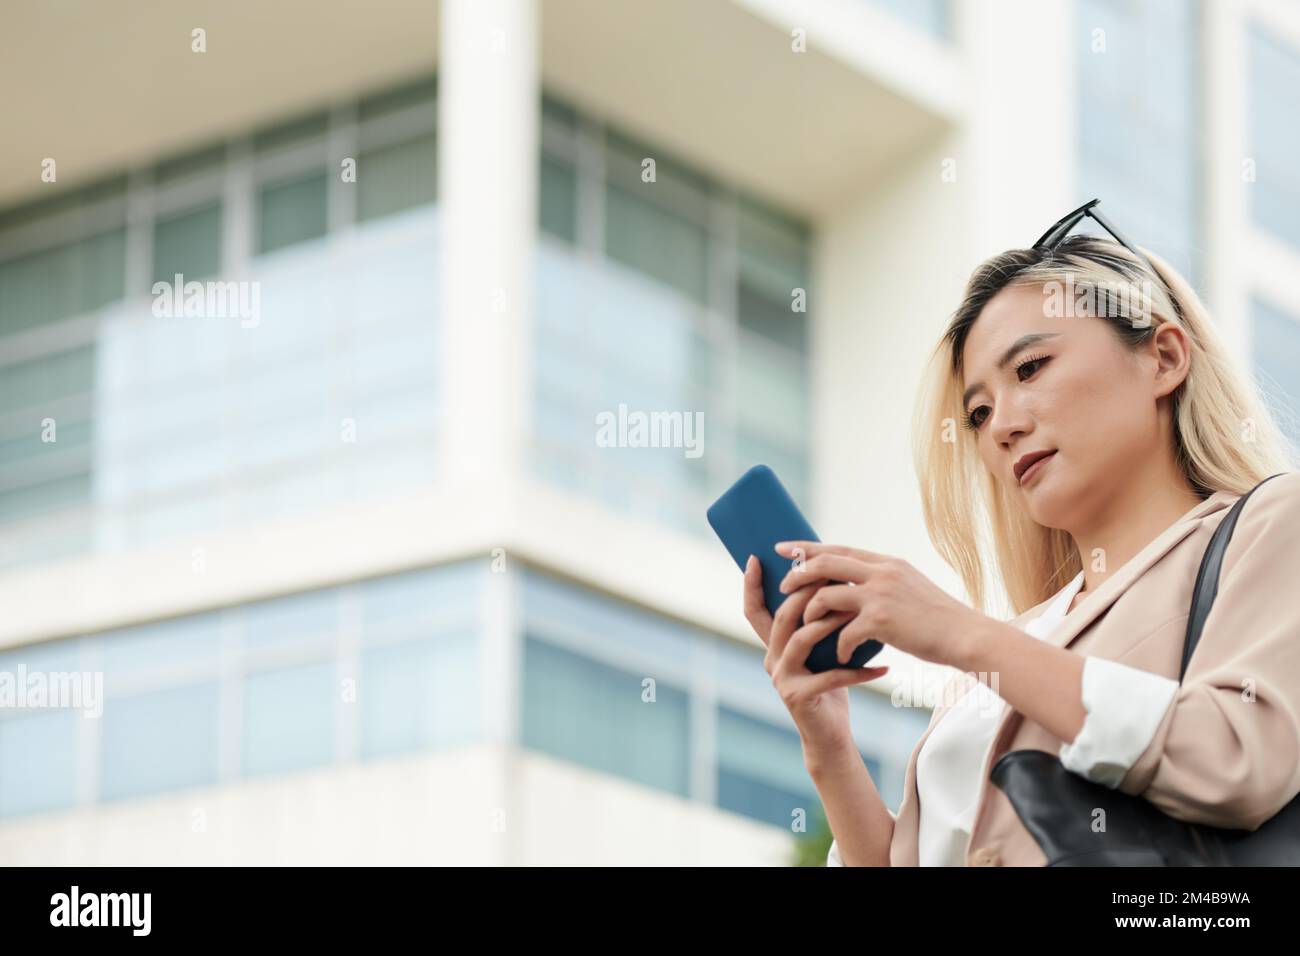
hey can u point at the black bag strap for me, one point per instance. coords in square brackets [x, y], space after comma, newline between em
[1207, 578]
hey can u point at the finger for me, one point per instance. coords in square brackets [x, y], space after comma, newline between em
[833, 597]
[756, 612]
[843, 677]
[794, 656]
[787, 619]
[850, 638]
[826, 567]
[808, 549]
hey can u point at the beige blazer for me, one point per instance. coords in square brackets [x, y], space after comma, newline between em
[1227, 752]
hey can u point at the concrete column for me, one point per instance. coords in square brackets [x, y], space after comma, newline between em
[488, 103]
[489, 100]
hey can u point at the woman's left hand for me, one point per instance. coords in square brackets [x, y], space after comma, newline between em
[892, 602]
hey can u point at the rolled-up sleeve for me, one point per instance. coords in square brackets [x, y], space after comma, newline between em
[1227, 749]
[1124, 708]
[833, 857]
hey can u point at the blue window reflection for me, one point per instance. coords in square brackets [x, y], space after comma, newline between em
[159, 741]
[38, 762]
[1275, 134]
[1140, 122]
[1276, 353]
[289, 718]
[414, 695]
[592, 714]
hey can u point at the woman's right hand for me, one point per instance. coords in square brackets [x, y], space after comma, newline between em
[819, 703]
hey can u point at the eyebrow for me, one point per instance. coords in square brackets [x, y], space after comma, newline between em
[1007, 356]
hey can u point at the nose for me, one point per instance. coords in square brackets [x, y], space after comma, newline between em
[1009, 422]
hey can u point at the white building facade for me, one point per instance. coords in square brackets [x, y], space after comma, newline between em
[362, 584]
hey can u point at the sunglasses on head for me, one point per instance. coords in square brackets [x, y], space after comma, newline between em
[1049, 240]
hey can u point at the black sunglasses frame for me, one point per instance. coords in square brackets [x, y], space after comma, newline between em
[1053, 237]
[1049, 240]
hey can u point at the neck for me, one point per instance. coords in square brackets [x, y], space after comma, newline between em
[1143, 507]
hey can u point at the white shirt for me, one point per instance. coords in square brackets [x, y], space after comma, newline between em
[1124, 707]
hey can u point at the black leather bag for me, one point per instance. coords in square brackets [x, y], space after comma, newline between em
[1057, 806]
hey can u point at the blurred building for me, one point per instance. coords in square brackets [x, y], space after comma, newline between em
[362, 583]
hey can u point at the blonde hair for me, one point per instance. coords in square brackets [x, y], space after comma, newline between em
[964, 504]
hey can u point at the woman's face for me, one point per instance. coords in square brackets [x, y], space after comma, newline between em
[1064, 385]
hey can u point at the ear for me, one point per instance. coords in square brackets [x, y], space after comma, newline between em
[1171, 349]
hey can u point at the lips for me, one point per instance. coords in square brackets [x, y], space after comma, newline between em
[1031, 464]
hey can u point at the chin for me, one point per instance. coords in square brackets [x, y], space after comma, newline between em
[1049, 507]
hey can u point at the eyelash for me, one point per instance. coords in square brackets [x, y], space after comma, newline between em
[967, 417]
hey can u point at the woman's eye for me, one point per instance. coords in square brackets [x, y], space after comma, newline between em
[975, 417]
[1031, 365]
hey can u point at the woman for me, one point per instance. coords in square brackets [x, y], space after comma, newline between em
[1082, 415]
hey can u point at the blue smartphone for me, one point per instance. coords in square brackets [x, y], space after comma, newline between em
[751, 517]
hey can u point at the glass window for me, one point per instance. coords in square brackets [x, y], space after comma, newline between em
[771, 392]
[39, 747]
[1276, 353]
[773, 252]
[289, 718]
[414, 603]
[559, 199]
[62, 281]
[676, 186]
[44, 498]
[161, 719]
[592, 714]
[188, 244]
[38, 761]
[419, 694]
[773, 319]
[557, 609]
[391, 179]
[151, 649]
[761, 770]
[659, 227]
[666, 350]
[291, 212]
[101, 269]
[790, 464]
[310, 617]
[137, 452]
[159, 741]
[40, 475]
[655, 241]
[1140, 122]
[37, 288]
[29, 460]
[1275, 134]
[42, 382]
